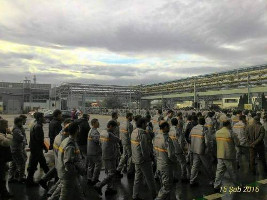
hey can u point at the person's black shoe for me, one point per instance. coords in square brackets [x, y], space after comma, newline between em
[98, 189]
[130, 175]
[31, 183]
[237, 166]
[95, 182]
[7, 195]
[216, 190]
[110, 192]
[43, 184]
[119, 174]
[138, 198]
[185, 180]
[22, 180]
[175, 180]
[89, 182]
[124, 170]
[194, 184]
[157, 179]
[12, 180]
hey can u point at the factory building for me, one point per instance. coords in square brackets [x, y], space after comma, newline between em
[23, 96]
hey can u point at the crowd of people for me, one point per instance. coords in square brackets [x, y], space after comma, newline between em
[162, 150]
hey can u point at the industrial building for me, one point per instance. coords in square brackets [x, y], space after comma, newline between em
[23, 97]
[223, 89]
[78, 95]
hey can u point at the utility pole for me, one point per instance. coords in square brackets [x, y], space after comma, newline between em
[83, 101]
[248, 85]
[55, 96]
[23, 88]
[130, 105]
[195, 93]
[161, 101]
[60, 107]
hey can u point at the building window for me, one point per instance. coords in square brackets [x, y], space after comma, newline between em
[231, 100]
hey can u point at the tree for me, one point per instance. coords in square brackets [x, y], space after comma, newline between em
[112, 102]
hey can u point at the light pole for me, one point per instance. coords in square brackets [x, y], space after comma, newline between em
[195, 93]
[130, 97]
[248, 82]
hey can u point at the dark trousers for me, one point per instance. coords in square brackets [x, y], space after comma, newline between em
[51, 142]
[52, 173]
[83, 150]
[253, 152]
[35, 158]
[3, 170]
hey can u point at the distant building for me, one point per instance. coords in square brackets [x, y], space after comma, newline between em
[22, 97]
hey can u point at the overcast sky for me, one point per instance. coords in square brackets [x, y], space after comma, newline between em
[128, 42]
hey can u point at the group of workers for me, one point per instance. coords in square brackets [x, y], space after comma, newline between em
[166, 148]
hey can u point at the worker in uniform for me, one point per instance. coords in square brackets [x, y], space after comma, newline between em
[109, 145]
[178, 139]
[55, 126]
[54, 130]
[94, 154]
[149, 126]
[188, 127]
[199, 148]
[136, 118]
[160, 115]
[24, 120]
[235, 117]
[70, 166]
[250, 118]
[115, 117]
[19, 156]
[169, 116]
[141, 157]
[256, 133]
[239, 129]
[150, 136]
[6, 139]
[36, 147]
[222, 118]
[165, 154]
[210, 125]
[180, 121]
[125, 136]
[265, 127]
[84, 128]
[226, 154]
[54, 192]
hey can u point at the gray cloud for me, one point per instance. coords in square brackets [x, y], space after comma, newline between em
[16, 56]
[199, 27]
[229, 33]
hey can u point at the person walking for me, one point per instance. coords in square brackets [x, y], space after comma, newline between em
[6, 139]
[36, 148]
[19, 156]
